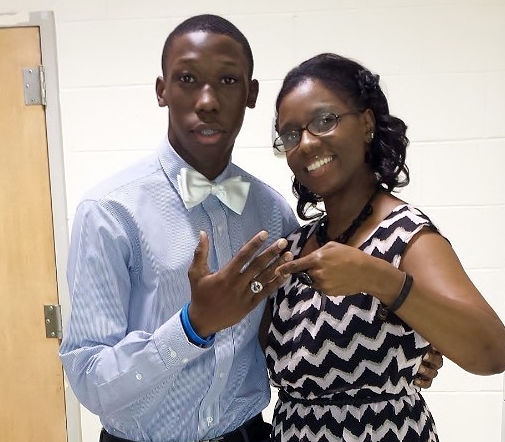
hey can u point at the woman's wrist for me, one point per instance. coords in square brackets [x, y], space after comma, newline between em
[386, 282]
[402, 294]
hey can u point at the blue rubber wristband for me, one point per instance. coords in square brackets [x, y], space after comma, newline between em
[191, 333]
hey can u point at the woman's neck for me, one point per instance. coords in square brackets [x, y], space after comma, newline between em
[344, 208]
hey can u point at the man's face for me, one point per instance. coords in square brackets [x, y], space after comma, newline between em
[207, 89]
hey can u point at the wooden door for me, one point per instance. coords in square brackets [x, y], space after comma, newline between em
[32, 406]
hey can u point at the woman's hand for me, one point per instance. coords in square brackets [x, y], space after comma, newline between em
[338, 270]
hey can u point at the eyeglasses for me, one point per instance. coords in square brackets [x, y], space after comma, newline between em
[320, 125]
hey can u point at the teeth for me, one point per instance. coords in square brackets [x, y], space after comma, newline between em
[318, 163]
[208, 132]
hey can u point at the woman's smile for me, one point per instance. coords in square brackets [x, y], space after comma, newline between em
[318, 163]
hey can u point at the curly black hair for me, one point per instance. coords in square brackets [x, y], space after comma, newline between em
[360, 88]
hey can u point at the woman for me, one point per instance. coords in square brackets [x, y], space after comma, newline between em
[373, 281]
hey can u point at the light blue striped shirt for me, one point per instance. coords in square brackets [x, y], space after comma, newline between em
[124, 350]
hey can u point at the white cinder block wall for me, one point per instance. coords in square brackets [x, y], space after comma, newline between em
[442, 63]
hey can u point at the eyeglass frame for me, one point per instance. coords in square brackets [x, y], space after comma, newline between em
[306, 128]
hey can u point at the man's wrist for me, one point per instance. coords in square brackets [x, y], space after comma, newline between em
[192, 335]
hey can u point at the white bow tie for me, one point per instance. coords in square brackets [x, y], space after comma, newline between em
[194, 188]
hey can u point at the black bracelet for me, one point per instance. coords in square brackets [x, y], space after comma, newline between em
[404, 292]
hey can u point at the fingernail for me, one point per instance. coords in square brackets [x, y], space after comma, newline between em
[422, 369]
[282, 243]
[263, 235]
[417, 382]
[287, 257]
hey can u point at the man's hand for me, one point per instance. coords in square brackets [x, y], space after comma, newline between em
[220, 300]
[432, 362]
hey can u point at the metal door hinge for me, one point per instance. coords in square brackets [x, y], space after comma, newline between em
[52, 319]
[34, 83]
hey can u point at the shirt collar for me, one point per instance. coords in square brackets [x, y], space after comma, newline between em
[171, 163]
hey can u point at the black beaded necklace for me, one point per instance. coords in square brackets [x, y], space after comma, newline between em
[322, 227]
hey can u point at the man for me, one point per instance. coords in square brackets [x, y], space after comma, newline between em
[151, 366]
[157, 355]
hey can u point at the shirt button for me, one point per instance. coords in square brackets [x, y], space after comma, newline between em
[173, 354]
[221, 375]
[210, 419]
[138, 376]
[185, 360]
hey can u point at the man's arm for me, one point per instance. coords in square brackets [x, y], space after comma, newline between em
[109, 364]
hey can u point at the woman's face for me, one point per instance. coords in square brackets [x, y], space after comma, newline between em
[334, 161]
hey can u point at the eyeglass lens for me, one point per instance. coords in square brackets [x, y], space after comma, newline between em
[318, 126]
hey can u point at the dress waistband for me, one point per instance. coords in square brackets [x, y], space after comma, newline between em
[340, 400]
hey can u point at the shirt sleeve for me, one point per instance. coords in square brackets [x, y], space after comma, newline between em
[109, 366]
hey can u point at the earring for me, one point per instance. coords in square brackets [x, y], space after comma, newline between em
[371, 136]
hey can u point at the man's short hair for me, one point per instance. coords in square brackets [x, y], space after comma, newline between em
[212, 24]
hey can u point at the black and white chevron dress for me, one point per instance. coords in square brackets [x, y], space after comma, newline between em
[344, 374]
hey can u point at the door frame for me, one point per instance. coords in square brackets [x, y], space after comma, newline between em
[44, 20]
